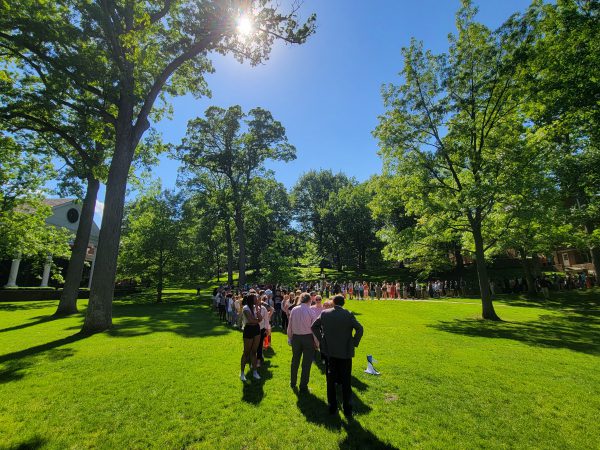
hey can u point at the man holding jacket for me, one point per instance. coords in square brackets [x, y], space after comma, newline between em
[333, 329]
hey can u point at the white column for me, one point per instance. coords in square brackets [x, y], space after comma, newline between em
[14, 271]
[92, 269]
[46, 274]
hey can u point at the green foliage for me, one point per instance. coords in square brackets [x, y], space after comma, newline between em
[267, 214]
[22, 212]
[310, 195]
[150, 242]
[277, 264]
[559, 70]
[423, 246]
[455, 139]
[230, 148]
[349, 229]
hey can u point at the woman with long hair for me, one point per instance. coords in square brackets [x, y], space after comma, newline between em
[252, 319]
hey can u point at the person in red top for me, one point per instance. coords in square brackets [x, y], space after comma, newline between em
[300, 337]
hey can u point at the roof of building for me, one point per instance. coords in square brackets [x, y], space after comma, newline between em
[54, 202]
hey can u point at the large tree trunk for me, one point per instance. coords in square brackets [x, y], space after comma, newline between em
[594, 254]
[229, 242]
[99, 313]
[487, 305]
[528, 271]
[68, 298]
[241, 235]
[459, 260]
[159, 285]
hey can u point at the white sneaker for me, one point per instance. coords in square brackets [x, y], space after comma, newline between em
[256, 375]
[242, 377]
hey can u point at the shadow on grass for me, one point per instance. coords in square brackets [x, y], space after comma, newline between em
[47, 347]
[27, 305]
[577, 332]
[253, 390]
[40, 320]
[583, 300]
[186, 318]
[316, 411]
[13, 370]
[29, 444]
[356, 383]
[14, 365]
[360, 438]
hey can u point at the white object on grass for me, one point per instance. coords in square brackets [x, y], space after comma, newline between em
[370, 369]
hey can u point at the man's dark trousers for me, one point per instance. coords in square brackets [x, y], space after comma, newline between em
[339, 371]
[302, 346]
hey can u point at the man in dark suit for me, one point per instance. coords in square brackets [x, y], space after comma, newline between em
[333, 329]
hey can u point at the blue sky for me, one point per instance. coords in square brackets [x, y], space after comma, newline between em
[327, 92]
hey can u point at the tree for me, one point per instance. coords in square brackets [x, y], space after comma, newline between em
[32, 102]
[117, 59]
[309, 197]
[422, 246]
[236, 146]
[453, 136]
[22, 212]
[560, 72]
[210, 193]
[150, 244]
[277, 260]
[349, 226]
[268, 213]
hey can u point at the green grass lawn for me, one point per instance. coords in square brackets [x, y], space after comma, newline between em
[166, 376]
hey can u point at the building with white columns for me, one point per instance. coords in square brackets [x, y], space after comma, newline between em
[65, 214]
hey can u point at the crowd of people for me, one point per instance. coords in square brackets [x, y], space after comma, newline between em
[299, 314]
[543, 284]
[321, 330]
[228, 301]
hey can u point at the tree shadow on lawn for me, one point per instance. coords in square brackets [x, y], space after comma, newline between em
[188, 319]
[27, 305]
[584, 300]
[253, 391]
[578, 332]
[43, 348]
[13, 365]
[36, 321]
[29, 444]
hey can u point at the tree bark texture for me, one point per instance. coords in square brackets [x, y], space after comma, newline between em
[159, 285]
[594, 254]
[68, 298]
[528, 271]
[487, 305]
[241, 235]
[99, 313]
[229, 242]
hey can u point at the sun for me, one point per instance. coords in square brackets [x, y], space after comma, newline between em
[245, 27]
